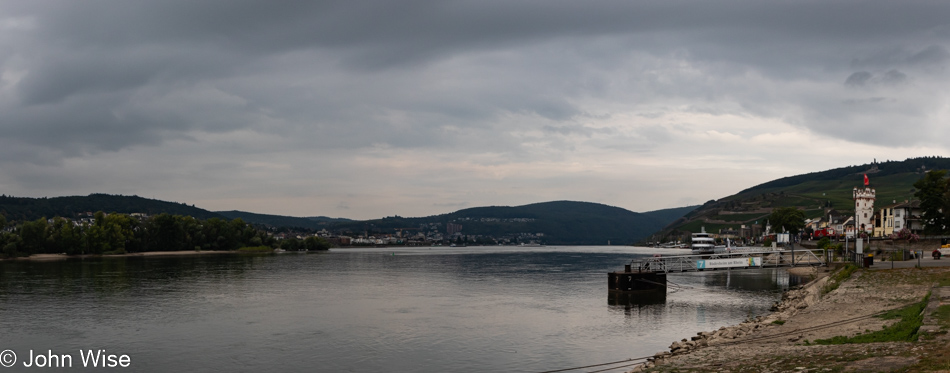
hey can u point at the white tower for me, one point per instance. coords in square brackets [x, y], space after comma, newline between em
[864, 208]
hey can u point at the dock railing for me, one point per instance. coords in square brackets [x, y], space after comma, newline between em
[738, 259]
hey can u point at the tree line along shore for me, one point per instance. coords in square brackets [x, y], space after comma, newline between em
[115, 234]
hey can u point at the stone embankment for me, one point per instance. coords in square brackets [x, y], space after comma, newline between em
[782, 341]
[793, 300]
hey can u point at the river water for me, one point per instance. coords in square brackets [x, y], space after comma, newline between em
[473, 309]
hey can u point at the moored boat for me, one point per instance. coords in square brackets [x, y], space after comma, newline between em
[703, 243]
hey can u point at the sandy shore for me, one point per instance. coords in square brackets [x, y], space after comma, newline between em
[173, 253]
[46, 257]
[781, 341]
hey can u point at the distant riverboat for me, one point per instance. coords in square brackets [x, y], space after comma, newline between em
[703, 243]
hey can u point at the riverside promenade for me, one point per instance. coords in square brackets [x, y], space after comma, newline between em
[926, 260]
[924, 246]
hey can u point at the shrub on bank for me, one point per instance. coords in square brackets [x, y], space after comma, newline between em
[256, 249]
[824, 242]
[119, 251]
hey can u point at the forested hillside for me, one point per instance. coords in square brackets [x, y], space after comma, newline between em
[21, 209]
[560, 222]
[311, 223]
[816, 194]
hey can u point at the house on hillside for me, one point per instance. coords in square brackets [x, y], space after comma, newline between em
[883, 222]
[750, 232]
[840, 224]
[848, 227]
[728, 233]
[908, 215]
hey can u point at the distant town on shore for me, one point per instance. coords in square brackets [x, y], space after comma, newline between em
[833, 203]
[875, 200]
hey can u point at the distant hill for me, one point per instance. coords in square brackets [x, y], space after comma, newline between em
[314, 223]
[22, 209]
[815, 193]
[669, 215]
[561, 222]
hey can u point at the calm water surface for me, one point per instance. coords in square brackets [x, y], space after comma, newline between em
[475, 309]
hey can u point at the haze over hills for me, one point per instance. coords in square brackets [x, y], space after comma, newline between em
[816, 193]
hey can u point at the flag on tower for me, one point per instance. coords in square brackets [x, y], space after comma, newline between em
[866, 181]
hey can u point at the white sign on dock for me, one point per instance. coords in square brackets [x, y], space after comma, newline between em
[782, 238]
[729, 263]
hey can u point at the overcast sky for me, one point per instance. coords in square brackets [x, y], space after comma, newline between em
[365, 109]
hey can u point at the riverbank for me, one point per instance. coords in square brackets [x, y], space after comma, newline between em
[784, 341]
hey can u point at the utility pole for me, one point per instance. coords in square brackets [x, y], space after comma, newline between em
[792, 246]
[846, 251]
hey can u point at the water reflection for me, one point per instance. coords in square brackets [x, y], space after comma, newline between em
[751, 279]
[705, 296]
[632, 303]
[118, 275]
[364, 310]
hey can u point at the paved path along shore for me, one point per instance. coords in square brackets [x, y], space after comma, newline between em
[926, 260]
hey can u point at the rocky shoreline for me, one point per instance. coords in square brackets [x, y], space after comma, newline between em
[792, 301]
[780, 341]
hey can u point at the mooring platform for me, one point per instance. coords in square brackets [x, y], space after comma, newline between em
[646, 277]
[729, 261]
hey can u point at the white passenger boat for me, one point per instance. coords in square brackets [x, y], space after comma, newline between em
[703, 243]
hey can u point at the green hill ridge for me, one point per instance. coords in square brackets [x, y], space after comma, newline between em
[558, 222]
[816, 193]
[24, 209]
[280, 221]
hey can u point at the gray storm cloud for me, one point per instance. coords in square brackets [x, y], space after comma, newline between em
[325, 85]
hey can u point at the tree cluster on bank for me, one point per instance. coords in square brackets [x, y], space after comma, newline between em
[933, 191]
[787, 219]
[121, 233]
